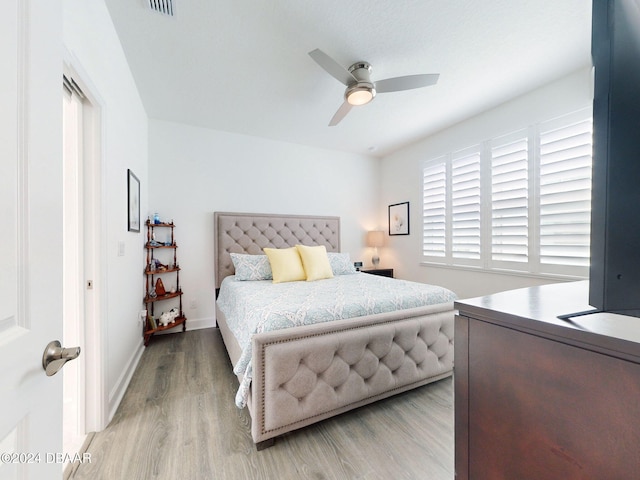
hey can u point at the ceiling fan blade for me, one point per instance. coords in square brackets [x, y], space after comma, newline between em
[332, 67]
[340, 114]
[409, 82]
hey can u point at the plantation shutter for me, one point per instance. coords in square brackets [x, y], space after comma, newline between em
[434, 210]
[565, 194]
[510, 201]
[465, 205]
[519, 202]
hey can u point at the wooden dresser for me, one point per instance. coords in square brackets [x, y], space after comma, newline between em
[537, 397]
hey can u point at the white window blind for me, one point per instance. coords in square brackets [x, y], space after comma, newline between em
[465, 205]
[434, 209]
[565, 194]
[518, 202]
[510, 201]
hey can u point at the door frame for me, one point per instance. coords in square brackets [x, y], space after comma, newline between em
[95, 255]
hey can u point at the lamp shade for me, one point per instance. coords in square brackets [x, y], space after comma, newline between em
[375, 238]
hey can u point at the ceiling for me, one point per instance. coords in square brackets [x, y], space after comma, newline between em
[243, 66]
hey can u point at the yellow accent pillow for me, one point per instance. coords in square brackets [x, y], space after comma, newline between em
[315, 262]
[286, 264]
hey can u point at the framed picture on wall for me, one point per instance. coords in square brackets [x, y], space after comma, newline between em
[133, 190]
[399, 219]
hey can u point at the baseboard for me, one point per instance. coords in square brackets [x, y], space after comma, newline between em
[192, 324]
[117, 393]
[200, 323]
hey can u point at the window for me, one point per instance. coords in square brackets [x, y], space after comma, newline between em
[510, 199]
[434, 212]
[465, 206]
[565, 194]
[516, 202]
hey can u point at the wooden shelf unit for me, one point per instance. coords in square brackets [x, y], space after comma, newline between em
[151, 273]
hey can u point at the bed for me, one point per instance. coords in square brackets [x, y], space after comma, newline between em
[296, 376]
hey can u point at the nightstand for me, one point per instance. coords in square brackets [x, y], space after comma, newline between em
[383, 272]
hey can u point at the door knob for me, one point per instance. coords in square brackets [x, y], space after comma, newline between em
[54, 357]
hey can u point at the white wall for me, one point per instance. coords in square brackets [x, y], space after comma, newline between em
[402, 174]
[95, 51]
[195, 171]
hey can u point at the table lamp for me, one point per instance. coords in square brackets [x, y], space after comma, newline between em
[375, 239]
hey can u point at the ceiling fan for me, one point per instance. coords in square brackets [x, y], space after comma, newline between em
[360, 88]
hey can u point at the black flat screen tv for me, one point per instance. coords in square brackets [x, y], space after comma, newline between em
[614, 276]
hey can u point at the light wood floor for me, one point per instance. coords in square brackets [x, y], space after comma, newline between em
[178, 420]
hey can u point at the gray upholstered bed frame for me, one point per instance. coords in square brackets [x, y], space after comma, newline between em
[348, 363]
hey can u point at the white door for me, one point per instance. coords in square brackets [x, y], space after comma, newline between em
[31, 237]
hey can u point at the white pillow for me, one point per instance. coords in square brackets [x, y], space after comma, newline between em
[251, 267]
[341, 263]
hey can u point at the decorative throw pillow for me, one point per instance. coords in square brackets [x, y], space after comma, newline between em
[251, 267]
[286, 265]
[315, 262]
[341, 263]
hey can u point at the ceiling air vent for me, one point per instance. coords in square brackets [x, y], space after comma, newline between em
[165, 7]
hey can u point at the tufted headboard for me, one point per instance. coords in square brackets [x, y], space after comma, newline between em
[251, 232]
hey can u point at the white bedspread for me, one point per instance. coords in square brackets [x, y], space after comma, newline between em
[258, 306]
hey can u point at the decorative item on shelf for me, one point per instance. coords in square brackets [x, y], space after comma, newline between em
[160, 287]
[152, 293]
[168, 317]
[375, 239]
[160, 267]
[156, 218]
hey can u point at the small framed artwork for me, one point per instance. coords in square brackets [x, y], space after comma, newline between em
[399, 219]
[133, 190]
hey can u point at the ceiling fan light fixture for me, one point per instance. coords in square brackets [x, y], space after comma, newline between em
[360, 88]
[360, 94]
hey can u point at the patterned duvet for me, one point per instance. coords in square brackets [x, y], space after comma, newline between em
[259, 306]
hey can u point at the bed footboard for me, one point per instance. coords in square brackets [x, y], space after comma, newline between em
[307, 374]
